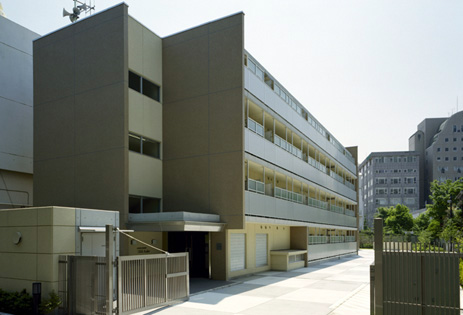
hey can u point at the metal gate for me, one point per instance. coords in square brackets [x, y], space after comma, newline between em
[408, 278]
[149, 281]
[82, 284]
[143, 282]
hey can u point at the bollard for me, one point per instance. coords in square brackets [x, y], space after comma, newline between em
[36, 296]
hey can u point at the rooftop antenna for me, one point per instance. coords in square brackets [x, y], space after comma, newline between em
[82, 7]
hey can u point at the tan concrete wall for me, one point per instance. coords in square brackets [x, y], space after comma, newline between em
[203, 120]
[80, 114]
[47, 232]
[278, 237]
[145, 175]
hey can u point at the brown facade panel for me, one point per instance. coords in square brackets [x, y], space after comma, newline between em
[54, 182]
[186, 75]
[99, 117]
[80, 119]
[188, 131]
[57, 131]
[225, 121]
[99, 180]
[186, 184]
[203, 122]
[227, 187]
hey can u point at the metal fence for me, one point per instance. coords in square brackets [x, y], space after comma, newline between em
[409, 278]
[82, 284]
[148, 281]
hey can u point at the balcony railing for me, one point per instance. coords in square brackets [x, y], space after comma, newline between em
[350, 185]
[350, 239]
[350, 212]
[318, 239]
[317, 164]
[256, 127]
[256, 186]
[336, 239]
[288, 195]
[336, 209]
[285, 145]
[318, 203]
[336, 176]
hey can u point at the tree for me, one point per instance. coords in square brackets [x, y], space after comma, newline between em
[445, 213]
[421, 222]
[444, 200]
[399, 220]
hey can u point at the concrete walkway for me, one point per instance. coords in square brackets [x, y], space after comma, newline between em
[335, 287]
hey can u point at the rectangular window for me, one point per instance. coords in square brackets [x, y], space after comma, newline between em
[144, 86]
[134, 81]
[144, 146]
[409, 191]
[395, 191]
[151, 90]
[252, 66]
[381, 191]
[395, 180]
[381, 180]
[139, 204]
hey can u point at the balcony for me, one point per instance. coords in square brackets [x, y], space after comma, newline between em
[288, 195]
[314, 239]
[256, 127]
[256, 186]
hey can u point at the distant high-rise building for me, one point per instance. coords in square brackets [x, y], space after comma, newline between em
[439, 142]
[388, 179]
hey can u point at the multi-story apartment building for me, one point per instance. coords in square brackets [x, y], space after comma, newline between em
[439, 141]
[15, 114]
[388, 179]
[194, 142]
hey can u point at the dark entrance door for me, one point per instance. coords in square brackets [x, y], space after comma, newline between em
[197, 245]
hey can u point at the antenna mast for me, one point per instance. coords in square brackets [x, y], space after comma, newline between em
[82, 7]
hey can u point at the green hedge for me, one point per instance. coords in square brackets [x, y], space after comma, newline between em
[20, 303]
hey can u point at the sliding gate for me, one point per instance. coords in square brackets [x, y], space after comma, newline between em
[143, 282]
[148, 281]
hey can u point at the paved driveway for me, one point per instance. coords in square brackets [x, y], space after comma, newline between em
[336, 287]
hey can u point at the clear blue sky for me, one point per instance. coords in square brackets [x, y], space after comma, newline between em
[369, 71]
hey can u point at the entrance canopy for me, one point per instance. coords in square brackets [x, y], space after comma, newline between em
[175, 222]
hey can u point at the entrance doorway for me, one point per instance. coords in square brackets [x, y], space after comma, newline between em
[197, 246]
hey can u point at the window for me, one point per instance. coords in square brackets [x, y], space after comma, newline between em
[381, 201]
[454, 139]
[454, 158]
[134, 81]
[438, 149]
[139, 204]
[438, 158]
[395, 191]
[396, 201]
[381, 180]
[251, 66]
[381, 191]
[410, 180]
[446, 139]
[144, 146]
[446, 149]
[409, 191]
[454, 148]
[446, 158]
[144, 86]
[409, 201]
[395, 180]
[260, 73]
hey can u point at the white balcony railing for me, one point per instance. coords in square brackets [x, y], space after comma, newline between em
[336, 239]
[318, 203]
[288, 195]
[350, 239]
[336, 209]
[256, 186]
[318, 239]
[350, 212]
[317, 164]
[256, 127]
